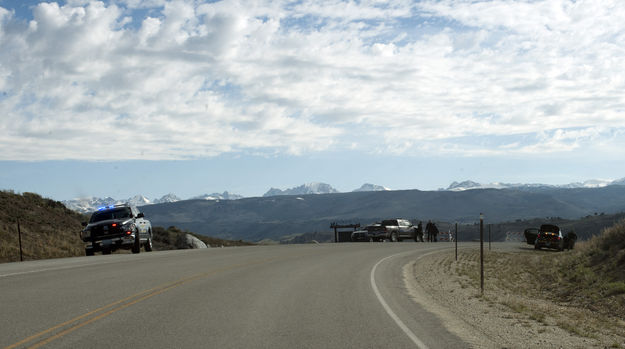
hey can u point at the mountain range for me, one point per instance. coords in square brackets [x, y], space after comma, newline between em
[319, 188]
[280, 217]
[90, 204]
[593, 183]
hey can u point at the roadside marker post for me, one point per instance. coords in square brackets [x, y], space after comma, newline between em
[482, 253]
[489, 236]
[456, 240]
[19, 235]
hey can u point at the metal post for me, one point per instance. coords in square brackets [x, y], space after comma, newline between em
[19, 234]
[482, 253]
[456, 239]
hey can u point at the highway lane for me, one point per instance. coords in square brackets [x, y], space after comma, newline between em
[299, 296]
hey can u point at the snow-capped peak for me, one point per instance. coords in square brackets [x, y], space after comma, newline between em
[139, 200]
[308, 188]
[371, 187]
[593, 183]
[216, 196]
[167, 198]
[90, 204]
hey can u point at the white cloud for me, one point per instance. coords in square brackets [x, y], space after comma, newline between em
[187, 79]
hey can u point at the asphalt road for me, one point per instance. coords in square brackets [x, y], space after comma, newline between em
[349, 295]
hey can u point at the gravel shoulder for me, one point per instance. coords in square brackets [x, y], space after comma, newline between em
[501, 317]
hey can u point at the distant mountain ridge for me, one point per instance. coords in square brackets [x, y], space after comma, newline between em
[304, 189]
[592, 183]
[89, 204]
[216, 196]
[371, 187]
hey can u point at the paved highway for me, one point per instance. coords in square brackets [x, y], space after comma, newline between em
[349, 295]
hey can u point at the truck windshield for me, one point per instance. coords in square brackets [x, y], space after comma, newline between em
[116, 213]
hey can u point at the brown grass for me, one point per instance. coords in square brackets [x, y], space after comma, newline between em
[48, 228]
[581, 291]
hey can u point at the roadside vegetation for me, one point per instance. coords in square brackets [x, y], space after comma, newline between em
[580, 291]
[50, 230]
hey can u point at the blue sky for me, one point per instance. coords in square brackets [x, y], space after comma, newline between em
[126, 97]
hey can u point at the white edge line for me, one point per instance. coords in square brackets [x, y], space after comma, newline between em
[388, 309]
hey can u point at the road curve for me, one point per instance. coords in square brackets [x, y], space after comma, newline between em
[349, 295]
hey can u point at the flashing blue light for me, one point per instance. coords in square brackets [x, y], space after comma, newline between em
[105, 207]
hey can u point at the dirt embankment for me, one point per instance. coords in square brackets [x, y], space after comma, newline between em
[514, 311]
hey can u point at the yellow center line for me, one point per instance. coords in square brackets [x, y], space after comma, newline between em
[26, 340]
[114, 310]
[131, 300]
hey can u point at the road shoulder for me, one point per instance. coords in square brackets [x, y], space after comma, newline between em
[487, 321]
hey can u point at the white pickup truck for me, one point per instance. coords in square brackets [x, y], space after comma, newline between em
[398, 229]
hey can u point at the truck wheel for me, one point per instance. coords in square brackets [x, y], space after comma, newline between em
[394, 237]
[106, 250]
[88, 251]
[148, 244]
[136, 247]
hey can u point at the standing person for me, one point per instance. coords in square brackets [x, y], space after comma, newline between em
[434, 232]
[428, 231]
[419, 232]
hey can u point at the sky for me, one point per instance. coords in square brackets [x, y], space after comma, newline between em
[125, 97]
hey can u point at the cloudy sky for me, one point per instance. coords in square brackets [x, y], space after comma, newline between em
[121, 97]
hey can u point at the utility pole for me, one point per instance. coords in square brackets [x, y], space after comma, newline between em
[482, 253]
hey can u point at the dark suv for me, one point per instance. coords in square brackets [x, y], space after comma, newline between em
[117, 227]
[550, 236]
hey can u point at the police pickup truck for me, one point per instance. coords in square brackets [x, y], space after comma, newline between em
[117, 227]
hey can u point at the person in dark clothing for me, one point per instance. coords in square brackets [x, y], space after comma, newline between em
[419, 232]
[434, 231]
[428, 231]
[569, 240]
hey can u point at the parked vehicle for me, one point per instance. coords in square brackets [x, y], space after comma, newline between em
[375, 232]
[549, 236]
[360, 235]
[530, 235]
[398, 229]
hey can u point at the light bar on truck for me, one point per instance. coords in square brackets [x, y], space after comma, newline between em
[106, 207]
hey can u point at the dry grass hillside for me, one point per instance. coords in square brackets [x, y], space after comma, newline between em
[537, 298]
[50, 230]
